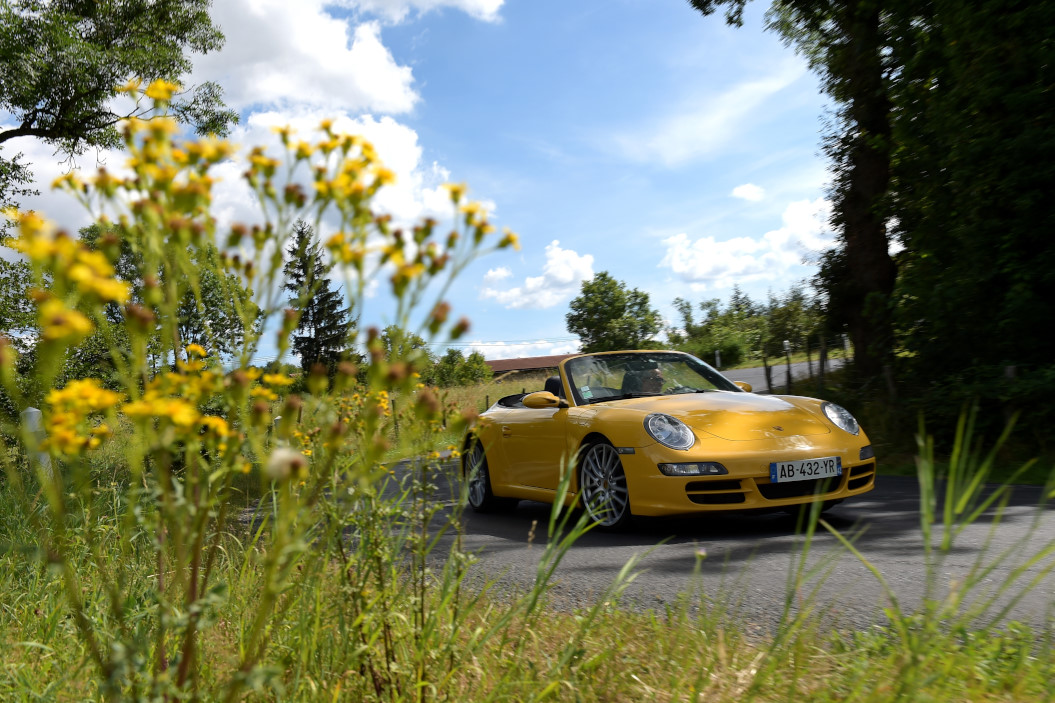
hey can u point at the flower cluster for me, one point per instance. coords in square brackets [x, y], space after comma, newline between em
[79, 276]
[71, 429]
[172, 399]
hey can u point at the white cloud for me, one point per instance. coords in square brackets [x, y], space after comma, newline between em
[493, 276]
[278, 53]
[707, 125]
[300, 64]
[707, 263]
[416, 194]
[749, 192]
[397, 10]
[561, 278]
[519, 350]
[58, 206]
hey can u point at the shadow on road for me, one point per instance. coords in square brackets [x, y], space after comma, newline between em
[884, 521]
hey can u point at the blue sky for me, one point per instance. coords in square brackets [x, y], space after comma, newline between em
[630, 136]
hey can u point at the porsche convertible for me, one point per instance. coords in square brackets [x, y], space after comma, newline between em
[651, 433]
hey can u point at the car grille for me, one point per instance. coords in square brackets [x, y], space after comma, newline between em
[797, 489]
[861, 476]
[715, 492]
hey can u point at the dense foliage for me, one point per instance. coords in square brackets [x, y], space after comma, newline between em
[607, 315]
[62, 61]
[941, 149]
[455, 369]
[971, 203]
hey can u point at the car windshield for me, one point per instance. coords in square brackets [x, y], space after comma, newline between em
[602, 377]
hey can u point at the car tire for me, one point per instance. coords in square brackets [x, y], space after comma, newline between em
[603, 491]
[480, 496]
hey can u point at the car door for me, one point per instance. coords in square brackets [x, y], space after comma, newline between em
[535, 442]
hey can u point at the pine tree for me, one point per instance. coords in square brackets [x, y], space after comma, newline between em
[325, 323]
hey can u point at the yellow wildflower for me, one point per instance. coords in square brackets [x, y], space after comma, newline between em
[456, 190]
[59, 322]
[161, 90]
[132, 86]
[216, 425]
[510, 239]
[83, 396]
[196, 349]
[284, 133]
[181, 413]
[263, 393]
[277, 379]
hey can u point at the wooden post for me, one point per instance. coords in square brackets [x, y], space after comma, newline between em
[809, 357]
[822, 362]
[787, 368]
[769, 373]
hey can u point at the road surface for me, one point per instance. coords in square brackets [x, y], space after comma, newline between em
[742, 562]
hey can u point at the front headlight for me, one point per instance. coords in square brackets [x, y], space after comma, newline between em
[669, 431]
[841, 418]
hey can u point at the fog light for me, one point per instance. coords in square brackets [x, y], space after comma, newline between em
[867, 452]
[699, 468]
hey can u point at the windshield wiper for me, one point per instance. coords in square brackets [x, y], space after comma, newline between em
[623, 396]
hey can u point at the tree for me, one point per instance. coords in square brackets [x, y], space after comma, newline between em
[447, 368]
[62, 62]
[324, 322]
[607, 316]
[15, 177]
[724, 335]
[973, 186]
[17, 318]
[454, 369]
[217, 316]
[475, 370]
[848, 43]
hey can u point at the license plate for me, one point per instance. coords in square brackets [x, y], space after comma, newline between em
[804, 470]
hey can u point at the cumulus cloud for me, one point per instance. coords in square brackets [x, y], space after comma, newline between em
[561, 278]
[295, 63]
[278, 53]
[415, 194]
[708, 125]
[707, 263]
[493, 276]
[749, 192]
[519, 350]
[397, 10]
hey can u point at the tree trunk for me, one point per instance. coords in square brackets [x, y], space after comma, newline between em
[871, 271]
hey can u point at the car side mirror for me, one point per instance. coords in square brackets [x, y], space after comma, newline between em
[540, 400]
[746, 387]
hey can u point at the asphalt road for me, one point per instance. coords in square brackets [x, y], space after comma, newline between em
[778, 373]
[742, 562]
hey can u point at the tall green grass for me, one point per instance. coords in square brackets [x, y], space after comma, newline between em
[379, 605]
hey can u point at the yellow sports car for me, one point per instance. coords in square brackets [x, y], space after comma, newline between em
[662, 433]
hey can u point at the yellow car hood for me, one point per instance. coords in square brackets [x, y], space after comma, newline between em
[736, 416]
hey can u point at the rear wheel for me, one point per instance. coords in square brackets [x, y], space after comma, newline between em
[481, 498]
[602, 485]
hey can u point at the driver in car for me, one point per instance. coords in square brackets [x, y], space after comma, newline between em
[647, 381]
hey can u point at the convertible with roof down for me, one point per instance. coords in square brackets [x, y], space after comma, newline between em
[651, 433]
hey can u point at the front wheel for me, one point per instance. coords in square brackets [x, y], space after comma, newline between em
[602, 485]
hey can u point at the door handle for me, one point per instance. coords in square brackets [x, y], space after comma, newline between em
[507, 431]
